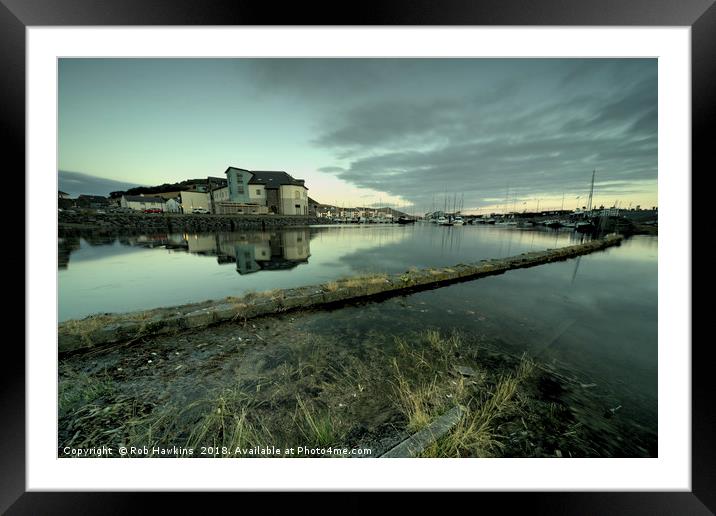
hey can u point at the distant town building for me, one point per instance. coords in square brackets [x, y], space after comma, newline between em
[188, 200]
[172, 206]
[276, 191]
[142, 202]
[62, 195]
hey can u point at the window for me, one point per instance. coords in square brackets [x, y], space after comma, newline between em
[258, 192]
[296, 195]
[240, 188]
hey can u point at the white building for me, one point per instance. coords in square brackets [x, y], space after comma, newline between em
[141, 202]
[172, 206]
[278, 191]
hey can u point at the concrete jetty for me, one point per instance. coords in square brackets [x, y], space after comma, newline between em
[104, 329]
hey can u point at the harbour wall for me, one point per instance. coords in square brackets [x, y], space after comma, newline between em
[176, 222]
[105, 329]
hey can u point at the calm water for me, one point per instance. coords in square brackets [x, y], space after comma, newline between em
[109, 274]
[593, 317]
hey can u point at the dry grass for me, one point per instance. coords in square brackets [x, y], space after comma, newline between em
[417, 403]
[226, 424]
[423, 392]
[221, 421]
[319, 427]
[363, 280]
[239, 310]
[331, 286]
[84, 328]
[477, 433]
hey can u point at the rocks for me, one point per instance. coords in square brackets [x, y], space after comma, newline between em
[465, 371]
[142, 222]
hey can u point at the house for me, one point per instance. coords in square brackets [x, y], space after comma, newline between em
[220, 195]
[277, 191]
[142, 202]
[62, 195]
[187, 199]
[313, 207]
[192, 200]
[172, 206]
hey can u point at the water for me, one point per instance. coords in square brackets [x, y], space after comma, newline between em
[592, 318]
[119, 274]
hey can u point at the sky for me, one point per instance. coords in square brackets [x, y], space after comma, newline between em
[417, 134]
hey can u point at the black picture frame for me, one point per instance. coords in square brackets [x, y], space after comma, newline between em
[700, 15]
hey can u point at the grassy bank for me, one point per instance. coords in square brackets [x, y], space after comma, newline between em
[240, 388]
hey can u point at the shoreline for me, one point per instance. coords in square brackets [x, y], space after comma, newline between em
[179, 222]
[102, 329]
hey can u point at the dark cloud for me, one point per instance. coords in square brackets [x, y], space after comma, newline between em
[76, 183]
[536, 134]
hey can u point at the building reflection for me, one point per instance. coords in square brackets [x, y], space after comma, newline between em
[251, 251]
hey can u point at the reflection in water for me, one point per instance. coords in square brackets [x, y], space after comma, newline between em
[252, 252]
[100, 273]
[592, 319]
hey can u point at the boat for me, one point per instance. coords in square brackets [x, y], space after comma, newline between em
[405, 220]
[584, 226]
[442, 221]
[552, 223]
[568, 224]
[458, 221]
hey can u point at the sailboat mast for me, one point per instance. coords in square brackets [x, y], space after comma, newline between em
[591, 192]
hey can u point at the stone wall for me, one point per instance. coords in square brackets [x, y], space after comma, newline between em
[177, 222]
[109, 328]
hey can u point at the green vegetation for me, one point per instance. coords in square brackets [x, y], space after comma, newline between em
[241, 393]
[320, 428]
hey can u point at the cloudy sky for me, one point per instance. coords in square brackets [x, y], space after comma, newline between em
[494, 132]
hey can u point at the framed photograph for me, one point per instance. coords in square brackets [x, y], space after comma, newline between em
[425, 238]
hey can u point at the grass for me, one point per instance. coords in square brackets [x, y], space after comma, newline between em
[417, 403]
[331, 286]
[421, 388]
[84, 328]
[364, 280]
[79, 389]
[226, 425]
[239, 310]
[423, 391]
[319, 427]
[223, 421]
[319, 395]
[478, 432]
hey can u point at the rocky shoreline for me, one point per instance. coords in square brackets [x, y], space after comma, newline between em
[69, 221]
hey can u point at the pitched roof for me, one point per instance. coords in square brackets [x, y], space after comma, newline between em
[236, 168]
[142, 198]
[274, 179]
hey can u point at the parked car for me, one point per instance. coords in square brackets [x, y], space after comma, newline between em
[152, 210]
[200, 210]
